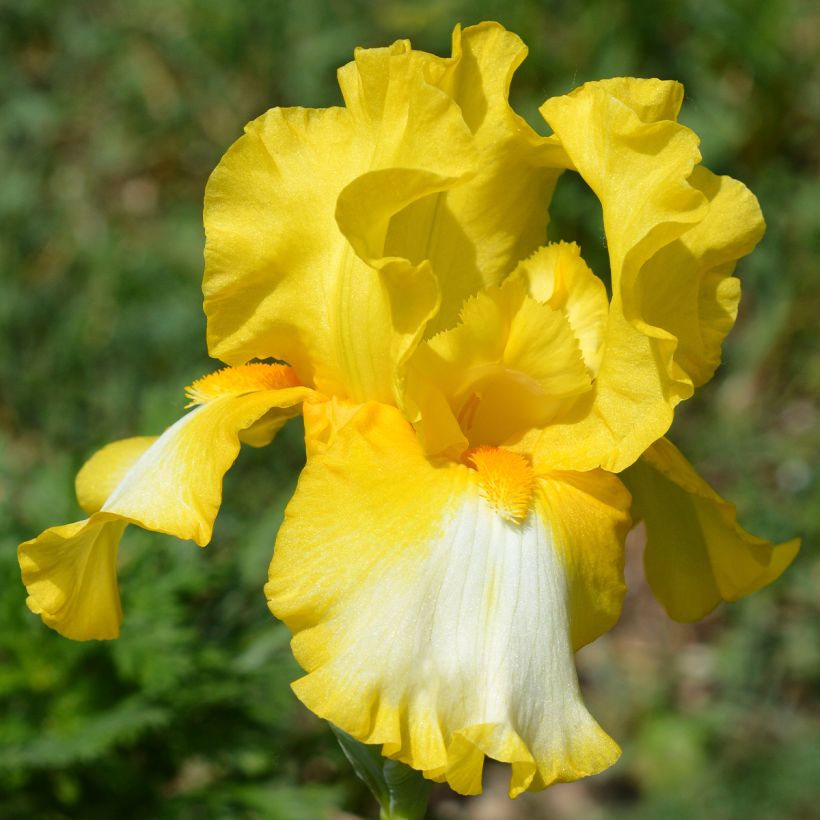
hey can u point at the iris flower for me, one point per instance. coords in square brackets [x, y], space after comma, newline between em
[483, 420]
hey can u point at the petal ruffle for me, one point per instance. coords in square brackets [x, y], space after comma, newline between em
[499, 215]
[171, 484]
[673, 233]
[433, 626]
[281, 278]
[697, 555]
[319, 220]
[558, 276]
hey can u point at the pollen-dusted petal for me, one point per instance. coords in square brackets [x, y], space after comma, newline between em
[106, 468]
[506, 480]
[70, 573]
[428, 623]
[697, 555]
[236, 381]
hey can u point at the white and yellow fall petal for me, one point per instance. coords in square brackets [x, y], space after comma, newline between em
[70, 574]
[170, 484]
[509, 365]
[288, 255]
[697, 555]
[175, 487]
[99, 476]
[434, 619]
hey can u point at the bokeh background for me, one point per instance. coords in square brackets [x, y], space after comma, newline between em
[112, 115]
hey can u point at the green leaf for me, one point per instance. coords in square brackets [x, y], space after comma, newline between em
[402, 792]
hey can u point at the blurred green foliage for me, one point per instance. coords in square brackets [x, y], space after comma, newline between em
[111, 117]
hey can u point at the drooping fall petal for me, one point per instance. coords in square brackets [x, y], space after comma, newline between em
[170, 484]
[697, 555]
[70, 573]
[434, 619]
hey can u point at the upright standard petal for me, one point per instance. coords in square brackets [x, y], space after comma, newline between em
[171, 484]
[673, 232]
[387, 213]
[296, 217]
[436, 611]
[697, 555]
[475, 233]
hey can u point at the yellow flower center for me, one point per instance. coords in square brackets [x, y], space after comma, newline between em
[234, 381]
[506, 480]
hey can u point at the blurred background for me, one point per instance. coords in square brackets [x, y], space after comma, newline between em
[112, 115]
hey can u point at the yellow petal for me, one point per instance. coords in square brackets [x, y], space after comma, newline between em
[298, 263]
[330, 234]
[637, 167]
[480, 229]
[696, 553]
[70, 573]
[106, 468]
[430, 623]
[170, 484]
[622, 137]
[176, 485]
[674, 232]
[589, 515]
[687, 289]
[558, 276]
[612, 424]
[509, 365]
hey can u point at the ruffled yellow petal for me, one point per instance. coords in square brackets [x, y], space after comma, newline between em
[509, 365]
[70, 573]
[558, 276]
[611, 423]
[673, 233]
[170, 484]
[696, 553]
[331, 233]
[432, 624]
[481, 228]
[687, 290]
[176, 486]
[298, 263]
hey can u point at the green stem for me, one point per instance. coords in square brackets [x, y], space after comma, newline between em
[402, 792]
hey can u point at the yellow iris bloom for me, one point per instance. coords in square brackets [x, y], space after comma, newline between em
[469, 397]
